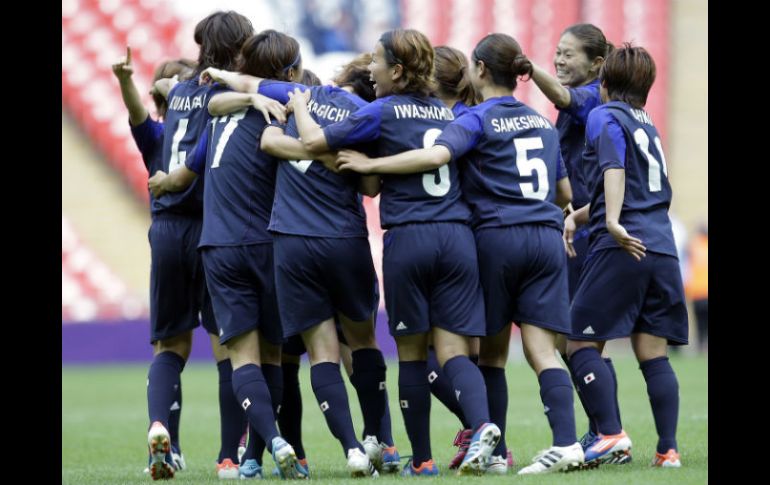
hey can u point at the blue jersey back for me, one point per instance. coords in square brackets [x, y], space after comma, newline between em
[511, 163]
[148, 136]
[459, 109]
[309, 199]
[240, 181]
[571, 124]
[619, 136]
[395, 124]
[186, 119]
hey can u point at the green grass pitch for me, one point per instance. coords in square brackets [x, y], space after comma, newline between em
[104, 423]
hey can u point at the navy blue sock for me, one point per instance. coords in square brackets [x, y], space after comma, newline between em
[497, 399]
[274, 378]
[386, 435]
[414, 396]
[611, 367]
[290, 417]
[556, 394]
[368, 379]
[441, 387]
[595, 382]
[663, 390]
[470, 389]
[591, 420]
[231, 414]
[332, 397]
[252, 392]
[162, 380]
[174, 416]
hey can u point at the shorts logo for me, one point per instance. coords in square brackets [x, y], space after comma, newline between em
[221, 332]
[404, 404]
[457, 394]
[324, 406]
[382, 386]
[588, 330]
[245, 404]
[432, 376]
[401, 326]
[589, 378]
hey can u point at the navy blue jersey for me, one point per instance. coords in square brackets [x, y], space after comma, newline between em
[240, 181]
[395, 124]
[148, 136]
[619, 136]
[309, 199]
[186, 119]
[571, 124]
[459, 109]
[511, 163]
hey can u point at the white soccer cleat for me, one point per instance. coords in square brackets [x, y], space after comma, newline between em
[159, 443]
[360, 465]
[556, 459]
[482, 445]
[496, 465]
[373, 451]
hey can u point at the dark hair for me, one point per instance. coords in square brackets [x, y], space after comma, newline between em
[628, 74]
[451, 74]
[270, 54]
[503, 58]
[184, 68]
[592, 40]
[356, 75]
[220, 37]
[413, 51]
[309, 78]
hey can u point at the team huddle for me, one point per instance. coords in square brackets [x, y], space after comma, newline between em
[494, 216]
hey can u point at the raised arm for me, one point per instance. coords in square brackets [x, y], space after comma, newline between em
[550, 86]
[236, 81]
[123, 70]
[230, 102]
[310, 132]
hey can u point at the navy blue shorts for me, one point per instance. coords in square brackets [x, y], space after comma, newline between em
[177, 282]
[240, 280]
[575, 265]
[618, 296]
[523, 271]
[318, 277]
[431, 279]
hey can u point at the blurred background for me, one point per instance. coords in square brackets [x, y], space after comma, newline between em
[105, 215]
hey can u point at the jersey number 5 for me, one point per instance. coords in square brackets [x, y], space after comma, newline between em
[528, 165]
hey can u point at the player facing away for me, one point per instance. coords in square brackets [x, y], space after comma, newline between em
[631, 283]
[429, 258]
[179, 288]
[515, 183]
[148, 136]
[574, 91]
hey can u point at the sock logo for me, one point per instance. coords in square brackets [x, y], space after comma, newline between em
[382, 386]
[245, 404]
[588, 330]
[401, 326]
[432, 376]
[589, 378]
[546, 409]
[457, 394]
[324, 406]
[278, 410]
[175, 406]
[404, 404]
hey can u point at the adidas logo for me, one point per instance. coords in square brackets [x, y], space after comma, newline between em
[401, 326]
[589, 378]
[324, 406]
[220, 334]
[432, 376]
[245, 404]
[175, 406]
[588, 330]
[457, 394]
[278, 410]
[382, 386]
[404, 404]
[546, 409]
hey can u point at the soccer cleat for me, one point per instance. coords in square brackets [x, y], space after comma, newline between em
[607, 448]
[242, 446]
[359, 464]
[159, 444]
[426, 469]
[482, 445]
[227, 470]
[496, 465]
[463, 441]
[390, 458]
[668, 460]
[286, 459]
[556, 459]
[373, 451]
[302, 461]
[587, 439]
[250, 469]
[177, 459]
